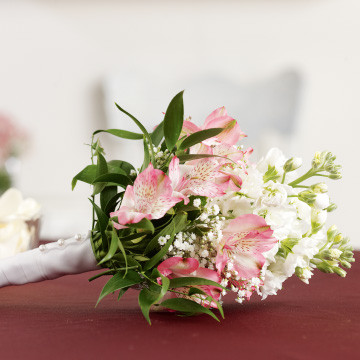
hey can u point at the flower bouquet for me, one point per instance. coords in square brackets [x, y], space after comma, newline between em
[197, 220]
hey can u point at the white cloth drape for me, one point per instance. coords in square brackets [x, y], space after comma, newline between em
[50, 261]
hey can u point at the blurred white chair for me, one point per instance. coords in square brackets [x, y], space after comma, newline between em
[265, 109]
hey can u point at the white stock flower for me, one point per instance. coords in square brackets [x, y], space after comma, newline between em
[322, 201]
[274, 194]
[272, 284]
[275, 158]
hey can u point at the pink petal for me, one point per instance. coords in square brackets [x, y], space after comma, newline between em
[221, 260]
[129, 197]
[220, 119]
[162, 204]
[207, 274]
[246, 223]
[221, 111]
[174, 171]
[203, 188]
[189, 128]
[178, 266]
[248, 266]
[206, 169]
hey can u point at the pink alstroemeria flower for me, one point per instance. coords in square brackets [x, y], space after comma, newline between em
[150, 198]
[189, 267]
[217, 119]
[198, 180]
[245, 239]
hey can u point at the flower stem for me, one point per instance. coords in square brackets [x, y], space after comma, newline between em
[302, 178]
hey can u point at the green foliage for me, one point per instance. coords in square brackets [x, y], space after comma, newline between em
[173, 121]
[192, 281]
[271, 174]
[118, 281]
[187, 307]
[286, 246]
[198, 137]
[87, 175]
[149, 297]
[158, 134]
[122, 134]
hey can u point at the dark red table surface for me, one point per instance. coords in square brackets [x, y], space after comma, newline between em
[57, 320]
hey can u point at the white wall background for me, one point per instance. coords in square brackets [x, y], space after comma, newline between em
[54, 55]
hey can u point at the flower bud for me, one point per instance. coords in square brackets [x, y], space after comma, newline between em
[319, 188]
[326, 254]
[304, 274]
[307, 196]
[292, 164]
[324, 267]
[336, 176]
[321, 201]
[318, 219]
[348, 254]
[335, 253]
[339, 271]
[332, 232]
[331, 207]
[345, 264]
[338, 238]
[317, 160]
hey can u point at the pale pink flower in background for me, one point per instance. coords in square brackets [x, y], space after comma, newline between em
[150, 197]
[245, 239]
[176, 266]
[11, 138]
[198, 180]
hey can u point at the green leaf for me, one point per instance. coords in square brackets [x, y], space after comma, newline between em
[122, 134]
[271, 174]
[146, 157]
[192, 281]
[106, 195]
[188, 157]
[173, 121]
[103, 221]
[286, 246]
[158, 134]
[179, 222]
[112, 249]
[141, 258]
[122, 292]
[86, 175]
[198, 137]
[120, 166]
[187, 306]
[101, 168]
[118, 179]
[118, 282]
[144, 224]
[111, 204]
[147, 297]
[121, 247]
[141, 127]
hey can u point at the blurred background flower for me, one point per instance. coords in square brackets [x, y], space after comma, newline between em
[12, 142]
[19, 223]
[288, 71]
